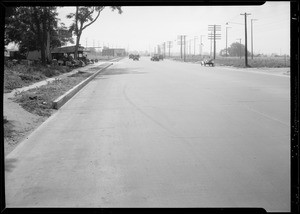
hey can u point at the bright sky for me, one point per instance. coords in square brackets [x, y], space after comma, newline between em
[143, 28]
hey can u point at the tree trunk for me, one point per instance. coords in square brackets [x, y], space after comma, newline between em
[38, 27]
[43, 43]
[77, 34]
[77, 46]
[48, 49]
[44, 36]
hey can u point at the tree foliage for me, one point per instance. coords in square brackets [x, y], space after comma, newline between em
[236, 49]
[84, 17]
[34, 28]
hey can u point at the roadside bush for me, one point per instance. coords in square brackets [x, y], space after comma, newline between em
[26, 77]
[30, 69]
[48, 72]
[12, 82]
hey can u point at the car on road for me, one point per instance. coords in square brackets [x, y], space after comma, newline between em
[209, 62]
[131, 56]
[136, 57]
[155, 57]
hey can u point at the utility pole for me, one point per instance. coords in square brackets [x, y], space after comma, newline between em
[210, 45]
[252, 37]
[180, 43]
[181, 46]
[200, 49]
[214, 41]
[246, 54]
[184, 36]
[214, 36]
[169, 46]
[195, 38]
[240, 48]
[226, 41]
[164, 45]
[190, 42]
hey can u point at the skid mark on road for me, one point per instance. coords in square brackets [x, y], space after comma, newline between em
[147, 115]
[264, 115]
[171, 133]
[189, 147]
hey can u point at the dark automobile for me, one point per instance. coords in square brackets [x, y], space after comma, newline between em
[131, 56]
[136, 57]
[155, 58]
[209, 62]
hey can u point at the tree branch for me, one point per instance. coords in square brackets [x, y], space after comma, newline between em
[93, 20]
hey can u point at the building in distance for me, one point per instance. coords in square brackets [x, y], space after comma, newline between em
[113, 52]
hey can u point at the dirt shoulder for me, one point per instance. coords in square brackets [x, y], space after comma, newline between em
[25, 111]
[18, 125]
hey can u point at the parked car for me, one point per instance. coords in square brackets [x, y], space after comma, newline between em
[209, 62]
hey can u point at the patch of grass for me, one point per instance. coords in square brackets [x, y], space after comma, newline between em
[256, 62]
[18, 76]
[39, 100]
[12, 82]
[8, 128]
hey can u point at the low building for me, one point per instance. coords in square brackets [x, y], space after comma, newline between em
[68, 50]
[11, 54]
[114, 52]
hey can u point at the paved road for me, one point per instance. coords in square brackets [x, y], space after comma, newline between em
[161, 134]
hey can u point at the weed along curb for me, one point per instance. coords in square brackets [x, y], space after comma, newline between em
[59, 102]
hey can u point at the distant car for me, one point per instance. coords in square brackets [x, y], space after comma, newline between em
[155, 57]
[131, 56]
[209, 62]
[136, 57]
[161, 57]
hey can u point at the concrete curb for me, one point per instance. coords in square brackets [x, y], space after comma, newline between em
[59, 102]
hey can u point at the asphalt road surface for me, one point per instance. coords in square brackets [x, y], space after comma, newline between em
[161, 134]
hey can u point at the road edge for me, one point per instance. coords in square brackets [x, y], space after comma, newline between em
[60, 101]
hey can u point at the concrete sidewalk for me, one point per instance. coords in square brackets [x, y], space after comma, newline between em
[46, 81]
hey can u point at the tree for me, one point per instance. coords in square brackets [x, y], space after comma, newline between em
[235, 49]
[34, 28]
[84, 17]
[61, 36]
